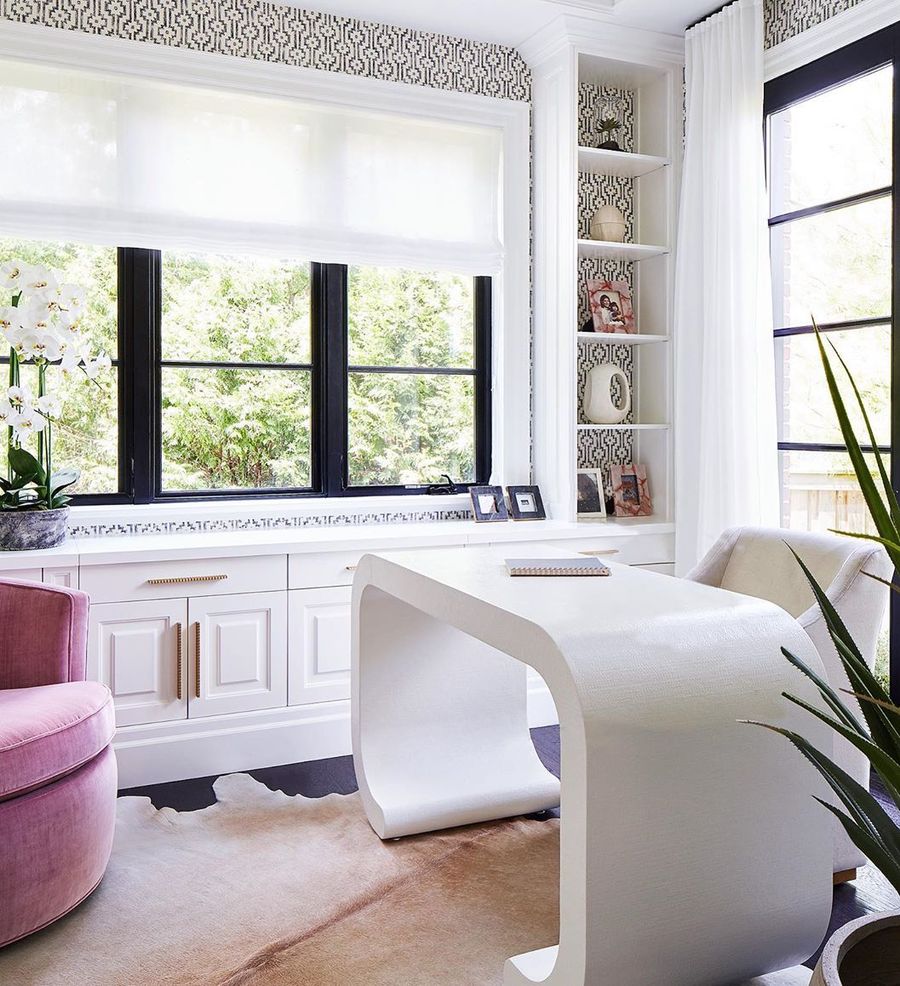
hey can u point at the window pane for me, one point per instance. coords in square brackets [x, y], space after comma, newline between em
[87, 438]
[407, 318]
[849, 127]
[806, 411]
[408, 429]
[235, 429]
[835, 266]
[234, 309]
[820, 492]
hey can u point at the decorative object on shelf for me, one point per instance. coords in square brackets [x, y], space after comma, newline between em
[598, 404]
[608, 224]
[42, 326]
[525, 503]
[488, 504]
[631, 491]
[447, 488]
[610, 119]
[591, 501]
[611, 307]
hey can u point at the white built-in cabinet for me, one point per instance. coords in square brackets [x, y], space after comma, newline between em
[319, 645]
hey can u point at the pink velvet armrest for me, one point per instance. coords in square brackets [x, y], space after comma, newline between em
[43, 635]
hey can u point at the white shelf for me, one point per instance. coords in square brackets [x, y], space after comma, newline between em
[623, 427]
[606, 250]
[620, 338]
[622, 164]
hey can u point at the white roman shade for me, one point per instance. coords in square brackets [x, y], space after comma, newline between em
[132, 162]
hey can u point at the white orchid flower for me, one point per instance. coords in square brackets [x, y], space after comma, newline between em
[93, 367]
[71, 299]
[11, 275]
[19, 397]
[50, 405]
[8, 413]
[40, 283]
[39, 344]
[29, 422]
[9, 318]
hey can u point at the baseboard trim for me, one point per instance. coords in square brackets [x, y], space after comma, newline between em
[175, 751]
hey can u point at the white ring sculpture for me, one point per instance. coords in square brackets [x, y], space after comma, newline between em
[691, 850]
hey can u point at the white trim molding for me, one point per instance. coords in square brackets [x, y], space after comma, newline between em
[511, 296]
[842, 29]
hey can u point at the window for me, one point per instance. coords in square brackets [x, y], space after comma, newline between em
[296, 291]
[238, 376]
[835, 229]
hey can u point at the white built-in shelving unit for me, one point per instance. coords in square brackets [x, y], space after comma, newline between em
[582, 58]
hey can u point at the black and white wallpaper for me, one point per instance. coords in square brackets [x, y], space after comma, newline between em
[275, 32]
[786, 18]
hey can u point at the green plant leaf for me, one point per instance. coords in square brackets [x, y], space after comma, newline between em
[868, 846]
[62, 479]
[830, 696]
[889, 493]
[23, 463]
[880, 514]
[890, 545]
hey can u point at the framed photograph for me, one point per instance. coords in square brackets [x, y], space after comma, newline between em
[488, 504]
[591, 501]
[611, 306]
[631, 491]
[525, 503]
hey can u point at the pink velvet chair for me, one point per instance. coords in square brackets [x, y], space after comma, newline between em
[57, 768]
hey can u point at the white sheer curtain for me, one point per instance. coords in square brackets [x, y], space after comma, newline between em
[134, 162]
[726, 459]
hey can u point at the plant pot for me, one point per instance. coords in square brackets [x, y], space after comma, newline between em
[28, 530]
[862, 953]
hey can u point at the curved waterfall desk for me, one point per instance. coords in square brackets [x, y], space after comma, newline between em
[691, 850]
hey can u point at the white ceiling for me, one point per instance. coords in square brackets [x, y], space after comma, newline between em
[510, 22]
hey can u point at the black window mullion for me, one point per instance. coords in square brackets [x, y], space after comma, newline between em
[483, 379]
[330, 282]
[894, 603]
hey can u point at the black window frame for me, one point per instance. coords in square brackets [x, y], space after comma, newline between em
[139, 362]
[842, 66]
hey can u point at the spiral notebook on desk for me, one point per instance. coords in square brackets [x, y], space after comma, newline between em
[556, 566]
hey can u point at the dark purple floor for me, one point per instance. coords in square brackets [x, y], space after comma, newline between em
[865, 895]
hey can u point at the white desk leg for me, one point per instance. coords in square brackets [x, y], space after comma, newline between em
[440, 724]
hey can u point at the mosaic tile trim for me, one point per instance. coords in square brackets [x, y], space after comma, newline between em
[785, 19]
[273, 32]
[131, 529]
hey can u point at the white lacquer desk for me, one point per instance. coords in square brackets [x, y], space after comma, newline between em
[691, 850]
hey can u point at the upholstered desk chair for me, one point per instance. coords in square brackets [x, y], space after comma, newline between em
[757, 562]
[57, 768]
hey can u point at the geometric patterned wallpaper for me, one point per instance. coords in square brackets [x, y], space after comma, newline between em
[274, 32]
[786, 18]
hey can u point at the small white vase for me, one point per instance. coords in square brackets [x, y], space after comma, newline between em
[608, 224]
[598, 404]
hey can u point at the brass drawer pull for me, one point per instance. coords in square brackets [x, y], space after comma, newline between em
[351, 568]
[600, 551]
[179, 658]
[186, 579]
[197, 659]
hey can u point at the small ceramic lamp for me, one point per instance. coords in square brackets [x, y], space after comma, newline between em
[608, 224]
[598, 405]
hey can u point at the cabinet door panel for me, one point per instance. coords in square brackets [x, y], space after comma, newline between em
[66, 577]
[320, 645]
[134, 648]
[238, 653]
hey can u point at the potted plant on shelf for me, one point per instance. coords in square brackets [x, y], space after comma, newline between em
[865, 952]
[43, 327]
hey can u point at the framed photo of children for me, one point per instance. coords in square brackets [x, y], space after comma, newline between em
[611, 307]
[631, 491]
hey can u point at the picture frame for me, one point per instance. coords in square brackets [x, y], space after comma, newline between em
[591, 503]
[525, 503]
[611, 307]
[631, 491]
[488, 504]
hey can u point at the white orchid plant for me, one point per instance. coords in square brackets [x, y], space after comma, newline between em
[42, 326]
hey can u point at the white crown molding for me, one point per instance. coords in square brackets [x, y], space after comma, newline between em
[842, 29]
[599, 35]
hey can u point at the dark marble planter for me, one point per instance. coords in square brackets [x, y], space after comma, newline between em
[27, 530]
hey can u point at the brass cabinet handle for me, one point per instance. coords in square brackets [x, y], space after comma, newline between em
[186, 579]
[351, 568]
[600, 551]
[197, 659]
[179, 660]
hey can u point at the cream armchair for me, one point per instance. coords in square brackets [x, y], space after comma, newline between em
[757, 562]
